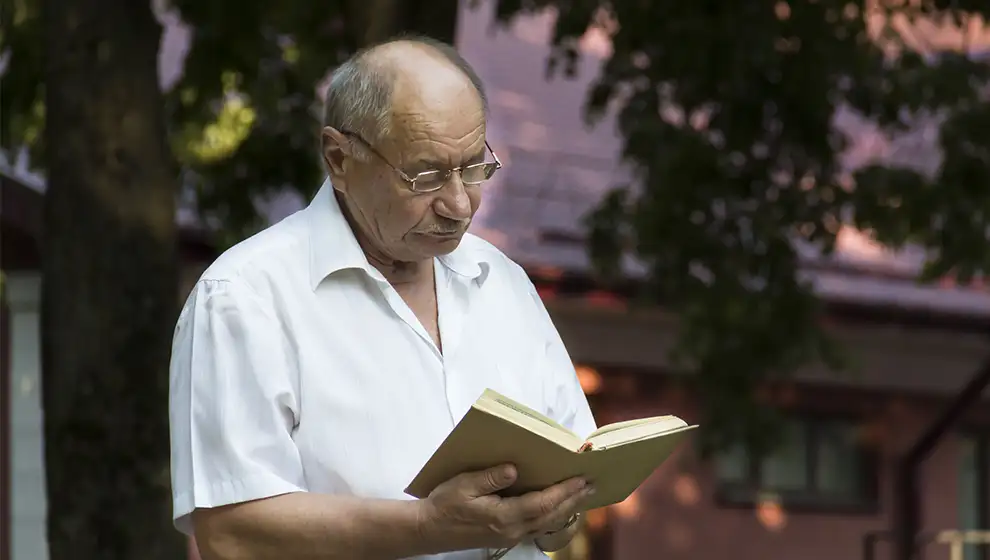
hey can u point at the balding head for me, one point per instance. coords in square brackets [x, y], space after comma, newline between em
[363, 89]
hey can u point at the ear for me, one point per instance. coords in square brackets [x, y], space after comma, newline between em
[336, 151]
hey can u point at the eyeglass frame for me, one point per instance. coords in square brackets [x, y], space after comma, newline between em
[411, 181]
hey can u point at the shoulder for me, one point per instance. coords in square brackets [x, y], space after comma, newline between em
[275, 255]
[238, 291]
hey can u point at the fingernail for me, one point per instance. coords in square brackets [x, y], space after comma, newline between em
[589, 490]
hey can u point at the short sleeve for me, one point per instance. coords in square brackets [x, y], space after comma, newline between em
[232, 403]
[566, 400]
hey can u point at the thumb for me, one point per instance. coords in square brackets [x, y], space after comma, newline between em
[495, 479]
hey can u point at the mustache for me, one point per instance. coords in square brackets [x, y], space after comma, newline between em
[447, 226]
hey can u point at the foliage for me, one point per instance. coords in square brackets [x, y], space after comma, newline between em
[727, 111]
[254, 68]
[243, 115]
[21, 105]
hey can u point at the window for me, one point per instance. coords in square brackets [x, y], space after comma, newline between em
[972, 480]
[819, 465]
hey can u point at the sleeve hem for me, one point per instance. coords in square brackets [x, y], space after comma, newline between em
[227, 492]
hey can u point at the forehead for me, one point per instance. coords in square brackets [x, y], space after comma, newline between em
[437, 110]
[459, 118]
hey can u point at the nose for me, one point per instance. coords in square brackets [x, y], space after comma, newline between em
[453, 201]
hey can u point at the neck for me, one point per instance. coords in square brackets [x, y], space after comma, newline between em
[394, 270]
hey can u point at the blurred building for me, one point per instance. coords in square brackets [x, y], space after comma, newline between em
[826, 490]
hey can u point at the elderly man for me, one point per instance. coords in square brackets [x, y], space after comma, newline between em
[317, 365]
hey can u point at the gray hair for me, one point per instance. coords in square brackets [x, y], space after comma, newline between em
[359, 98]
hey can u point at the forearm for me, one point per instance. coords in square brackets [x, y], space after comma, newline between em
[306, 526]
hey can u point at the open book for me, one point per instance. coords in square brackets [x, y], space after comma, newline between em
[496, 430]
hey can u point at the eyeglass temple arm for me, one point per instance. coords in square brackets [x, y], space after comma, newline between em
[498, 162]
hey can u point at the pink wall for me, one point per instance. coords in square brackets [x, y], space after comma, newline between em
[674, 516]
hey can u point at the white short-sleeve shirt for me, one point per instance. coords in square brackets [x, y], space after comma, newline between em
[296, 367]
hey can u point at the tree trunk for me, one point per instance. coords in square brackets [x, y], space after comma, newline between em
[109, 288]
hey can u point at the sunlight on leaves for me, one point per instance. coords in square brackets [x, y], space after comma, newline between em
[222, 137]
[188, 96]
[22, 10]
[290, 53]
[34, 123]
[231, 81]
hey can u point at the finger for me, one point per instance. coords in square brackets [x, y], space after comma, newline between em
[536, 505]
[490, 481]
[556, 519]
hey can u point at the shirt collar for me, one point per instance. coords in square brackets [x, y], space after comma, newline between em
[333, 247]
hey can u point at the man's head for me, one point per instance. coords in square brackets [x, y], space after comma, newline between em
[395, 113]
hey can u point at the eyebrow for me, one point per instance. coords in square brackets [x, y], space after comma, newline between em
[423, 165]
[477, 157]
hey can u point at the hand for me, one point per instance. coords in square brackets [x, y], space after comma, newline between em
[465, 512]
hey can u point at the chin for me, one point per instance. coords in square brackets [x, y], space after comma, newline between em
[440, 245]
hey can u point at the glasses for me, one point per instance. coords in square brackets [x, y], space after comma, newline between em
[430, 181]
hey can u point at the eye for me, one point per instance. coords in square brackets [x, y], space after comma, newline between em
[477, 173]
[429, 180]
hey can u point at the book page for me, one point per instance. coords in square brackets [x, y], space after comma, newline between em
[632, 430]
[625, 424]
[521, 414]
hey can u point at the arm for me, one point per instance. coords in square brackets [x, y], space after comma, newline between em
[307, 526]
[462, 513]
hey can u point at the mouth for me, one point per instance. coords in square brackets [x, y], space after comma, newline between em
[446, 230]
[444, 234]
